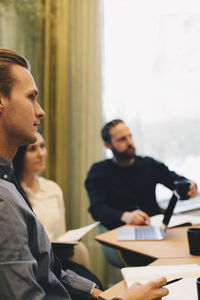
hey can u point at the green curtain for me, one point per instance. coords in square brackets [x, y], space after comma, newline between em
[70, 70]
[19, 32]
[64, 50]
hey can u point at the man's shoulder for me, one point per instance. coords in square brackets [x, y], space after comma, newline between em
[6, 189]
[102, 164]
[9, 196]
[150, 164]
[146, 160]
[100, 167]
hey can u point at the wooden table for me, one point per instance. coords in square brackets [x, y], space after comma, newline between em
[174, 245]
[172, 250]
[176, 261]
[118, 288]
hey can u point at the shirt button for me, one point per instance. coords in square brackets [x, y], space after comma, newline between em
[5, 176]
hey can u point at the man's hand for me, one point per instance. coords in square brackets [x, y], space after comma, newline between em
[95, 293]
[135, 217]
[192, 190]
[150, 291]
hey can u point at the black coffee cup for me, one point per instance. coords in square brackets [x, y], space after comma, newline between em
[182, 188]
[198, 288]
[193, 235]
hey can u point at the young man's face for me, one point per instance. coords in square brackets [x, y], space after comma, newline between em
[121, 144]
[21, 113]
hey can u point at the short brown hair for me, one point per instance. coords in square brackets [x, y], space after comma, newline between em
[7, 59]
[105, 130]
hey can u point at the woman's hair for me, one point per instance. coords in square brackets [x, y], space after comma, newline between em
[18, 161]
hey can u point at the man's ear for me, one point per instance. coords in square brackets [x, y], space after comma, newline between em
[2, 103]
[107, 145]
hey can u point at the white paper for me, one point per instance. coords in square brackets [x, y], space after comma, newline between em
[176, 220]
[144, 274]
[75, 234]
[184, 289]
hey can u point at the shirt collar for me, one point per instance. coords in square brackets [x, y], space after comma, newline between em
[6, 169]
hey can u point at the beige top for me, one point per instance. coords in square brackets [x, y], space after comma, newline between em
[48, 205]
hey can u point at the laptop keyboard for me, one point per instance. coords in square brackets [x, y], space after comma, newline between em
[148, 233]
[140, 233]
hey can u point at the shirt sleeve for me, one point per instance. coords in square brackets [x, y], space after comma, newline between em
[18, 268]
[100, 210]
[164, 175]
[76, 284]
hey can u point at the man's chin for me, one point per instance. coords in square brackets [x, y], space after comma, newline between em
[129, 154]
[130, 151]
[125, 157]
[31, 139]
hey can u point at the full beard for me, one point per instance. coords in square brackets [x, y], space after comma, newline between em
[125, 155]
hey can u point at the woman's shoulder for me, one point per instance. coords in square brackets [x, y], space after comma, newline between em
[48, 183]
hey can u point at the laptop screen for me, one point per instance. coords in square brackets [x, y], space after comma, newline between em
[170, 208]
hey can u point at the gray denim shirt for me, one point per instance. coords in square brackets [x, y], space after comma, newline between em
[28, 267]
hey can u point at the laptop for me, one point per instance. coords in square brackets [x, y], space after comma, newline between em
[149, 232]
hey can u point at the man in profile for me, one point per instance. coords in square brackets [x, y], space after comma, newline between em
[28, 267]
[29, 270]
[122, 189]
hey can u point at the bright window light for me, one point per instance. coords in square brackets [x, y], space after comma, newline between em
[152, 77]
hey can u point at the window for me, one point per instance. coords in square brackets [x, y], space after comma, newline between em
[152, 77]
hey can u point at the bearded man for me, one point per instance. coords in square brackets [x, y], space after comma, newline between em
[121, 190]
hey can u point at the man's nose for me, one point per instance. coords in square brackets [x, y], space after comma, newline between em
[130, 141]
[40, 113]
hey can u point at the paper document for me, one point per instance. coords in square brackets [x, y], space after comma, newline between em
[176, 220]
[144, 274]
[75, 234]
[184, 289]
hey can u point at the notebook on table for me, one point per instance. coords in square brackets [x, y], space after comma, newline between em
[182, 290]
[149, 232]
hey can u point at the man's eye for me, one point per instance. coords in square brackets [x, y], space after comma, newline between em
[31, 97]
